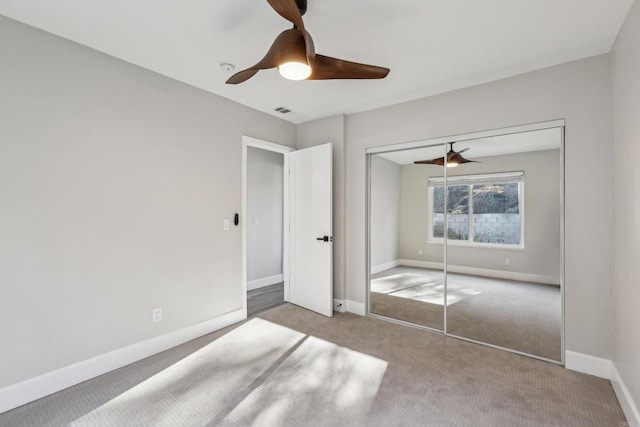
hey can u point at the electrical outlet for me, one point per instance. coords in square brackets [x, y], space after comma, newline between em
[339, 306]
[226, 224]
[419, 251]
[156, 315]
[507, 261]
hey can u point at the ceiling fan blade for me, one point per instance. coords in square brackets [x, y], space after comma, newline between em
[326, 68]
[457, 158]
[288, 9]
[283, 43]
[439, 161]
[462, 151]
[242, 76]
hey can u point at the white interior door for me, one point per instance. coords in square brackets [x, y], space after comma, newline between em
[311, 249]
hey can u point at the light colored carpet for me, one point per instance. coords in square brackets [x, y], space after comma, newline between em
[517, 315]
[292, 367]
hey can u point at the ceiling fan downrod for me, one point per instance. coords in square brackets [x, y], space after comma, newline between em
[302, 6]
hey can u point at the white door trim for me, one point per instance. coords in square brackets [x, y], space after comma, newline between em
[247, 142]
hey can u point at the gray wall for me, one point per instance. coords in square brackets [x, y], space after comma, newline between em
[541, 254]
[625, 68]
[265, 171]
[114, 184]
[385, 210]
[332, 129]
[578, 92]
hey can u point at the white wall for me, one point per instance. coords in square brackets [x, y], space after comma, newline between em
[331, 129]
[541, 253]
[578, 92]
[114, 182]
[265, 171]
[385, 211]
[625, 69]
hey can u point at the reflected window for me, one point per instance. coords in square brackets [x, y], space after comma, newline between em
[482, 210]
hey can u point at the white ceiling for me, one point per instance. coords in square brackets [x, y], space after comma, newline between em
[431, 46]
[545, 139]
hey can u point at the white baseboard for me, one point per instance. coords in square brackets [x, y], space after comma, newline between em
[587, 364]
[484, 272]
[340, 305]
[356, 307]
[265, 281]
[387, 265]
[629, 407]
[35, 388]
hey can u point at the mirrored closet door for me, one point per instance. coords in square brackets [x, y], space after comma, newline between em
[402, 286]
[483, 233]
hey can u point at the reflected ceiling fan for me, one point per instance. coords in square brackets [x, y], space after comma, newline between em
[293, 53]
[454, 158]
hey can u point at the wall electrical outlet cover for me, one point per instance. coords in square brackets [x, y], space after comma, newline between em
[156, 315]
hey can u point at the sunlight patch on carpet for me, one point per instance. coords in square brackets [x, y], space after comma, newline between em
[260, 373]
[201, 384]
[388, 284]
[422, 288]
[319, 379]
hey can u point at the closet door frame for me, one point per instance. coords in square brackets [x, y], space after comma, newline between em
[560, 123]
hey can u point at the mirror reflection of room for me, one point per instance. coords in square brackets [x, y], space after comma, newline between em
[504, 243]
[399, 289]
[502, 216]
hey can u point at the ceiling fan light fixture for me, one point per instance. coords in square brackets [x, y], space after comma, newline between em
[451, 160]
[294, 55]
[294, 70]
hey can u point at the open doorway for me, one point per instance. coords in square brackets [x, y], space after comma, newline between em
[286, 202]
[264, 225]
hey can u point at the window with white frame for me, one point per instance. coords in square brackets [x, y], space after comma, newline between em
[482, 210]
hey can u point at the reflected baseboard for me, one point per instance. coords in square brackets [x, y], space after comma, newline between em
[385, 266]
[483, 272]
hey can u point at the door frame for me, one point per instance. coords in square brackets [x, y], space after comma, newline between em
[248, 141]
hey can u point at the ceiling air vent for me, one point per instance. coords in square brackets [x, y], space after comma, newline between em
[283, 110]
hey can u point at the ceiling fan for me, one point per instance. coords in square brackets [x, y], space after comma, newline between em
[293, 53]
[453, 158]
